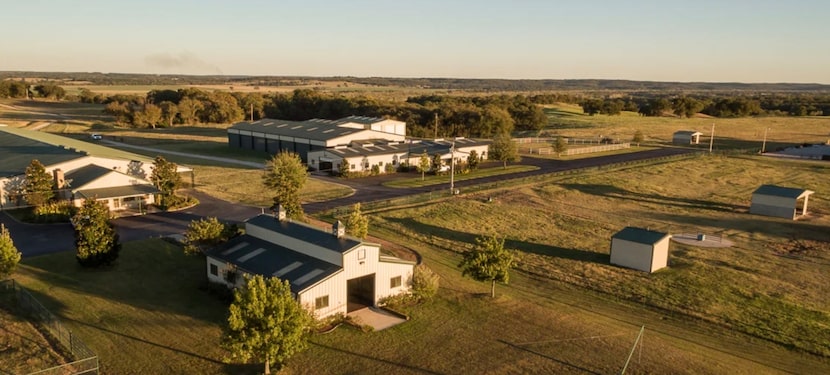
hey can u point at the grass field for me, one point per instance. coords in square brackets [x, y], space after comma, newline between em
[430, 180]
[569, 121]
[771, 284]
[23, 348]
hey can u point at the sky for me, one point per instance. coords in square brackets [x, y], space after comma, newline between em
[680, 41]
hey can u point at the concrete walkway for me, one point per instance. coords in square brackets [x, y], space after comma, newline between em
[379, 319]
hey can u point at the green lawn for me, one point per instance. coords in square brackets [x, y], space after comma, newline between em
[430, 180]
[23, 348]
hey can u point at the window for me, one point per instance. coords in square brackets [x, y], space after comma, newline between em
[395, 282]
[214, 270]
[380, 164]
[321, 302]
[352, 166]
[361, 254]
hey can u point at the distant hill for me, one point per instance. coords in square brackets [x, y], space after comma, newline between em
[517, 85]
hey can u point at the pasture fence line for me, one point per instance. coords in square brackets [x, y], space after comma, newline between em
[600, 148]
[86, 361]
[442, 191]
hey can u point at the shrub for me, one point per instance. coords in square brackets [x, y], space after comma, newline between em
[424, 283]
[54, 212]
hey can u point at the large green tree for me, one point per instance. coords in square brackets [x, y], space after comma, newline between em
[9, 256]
[286, 175]
[488, 261]
[96, 242]
[357, 224]
[37, 188]
[167, 180]
[266, 323]
[205, 233]
[504, 149]
[560, 145]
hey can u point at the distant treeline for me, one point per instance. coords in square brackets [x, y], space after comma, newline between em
[479, 85]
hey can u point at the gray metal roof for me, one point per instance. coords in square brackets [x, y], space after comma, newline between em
[318, 131]
[17, 152]
[640, 235]
[306, 233]
[780, 191]
[257, 256]
[79, 177]
[687, 132]
[117, 191]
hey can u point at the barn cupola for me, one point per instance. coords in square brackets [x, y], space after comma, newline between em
[339, 229]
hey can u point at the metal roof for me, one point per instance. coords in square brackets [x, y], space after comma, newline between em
[81, 176]
[780, 191]
[313, 130]
[640, 235]
[261, 257]
[89, 148]
[687, 132]
[305, 233]
[17, 152]
[118, 191]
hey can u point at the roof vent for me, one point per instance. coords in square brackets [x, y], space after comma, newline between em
[339, 229]
[279, 212]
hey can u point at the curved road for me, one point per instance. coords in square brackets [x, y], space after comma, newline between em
[38, 239]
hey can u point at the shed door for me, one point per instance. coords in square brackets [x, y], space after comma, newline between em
[361, 292]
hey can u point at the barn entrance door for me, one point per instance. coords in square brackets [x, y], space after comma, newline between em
[361, 292]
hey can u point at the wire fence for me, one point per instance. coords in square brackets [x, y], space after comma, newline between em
[86, 361]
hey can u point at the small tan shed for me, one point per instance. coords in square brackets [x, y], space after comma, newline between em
[686, 137]
[777, 201]
[640, 249]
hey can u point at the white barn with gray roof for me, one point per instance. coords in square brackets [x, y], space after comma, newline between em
[329, 272]
[640, 249]
[273, 136]
[778, 201]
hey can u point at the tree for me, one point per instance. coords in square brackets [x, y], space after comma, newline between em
[266, 323]
[205, 233]
[638, 137]
[96, 241]
[423, 164]
[286, 176]
[149, 116]
[37, 188]
[357, 224]
[424, 282]
[560, 145]
[437, 163]
[488, 261]
[121, 111]
[167, 180]
[504, 149]
[9, 256]
[188, 110]
[472, 160]
[169, 110]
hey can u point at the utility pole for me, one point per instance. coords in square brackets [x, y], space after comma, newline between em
[764, 144]
[252, 112]
[712, 138]
[452, 167]
[435, 136]
[639, 336]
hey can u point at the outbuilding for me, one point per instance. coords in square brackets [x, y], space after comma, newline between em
[640, 249]
[329, 272]
[686, 137]
[778, 201]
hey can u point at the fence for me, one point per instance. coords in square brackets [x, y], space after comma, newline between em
[600, 148]
[86, 362]
[444, 192]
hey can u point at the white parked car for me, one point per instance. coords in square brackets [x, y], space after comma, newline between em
[96, 136]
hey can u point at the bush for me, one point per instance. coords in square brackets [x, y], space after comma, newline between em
[424, 283]
[389, 168]
[54, 212]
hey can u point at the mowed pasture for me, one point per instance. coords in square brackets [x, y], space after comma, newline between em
[23, 348]
[771, 284]
[568, 120]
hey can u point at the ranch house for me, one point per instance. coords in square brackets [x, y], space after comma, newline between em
[777, 201]
[80, 170]
[329, 272]
[640, 249]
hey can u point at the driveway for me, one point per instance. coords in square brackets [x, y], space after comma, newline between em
[39, 239]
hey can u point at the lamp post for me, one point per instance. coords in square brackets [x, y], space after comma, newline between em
[452, 168]
[764, 144]
[712, 138]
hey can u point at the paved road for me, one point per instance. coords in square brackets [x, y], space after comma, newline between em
[34, 239]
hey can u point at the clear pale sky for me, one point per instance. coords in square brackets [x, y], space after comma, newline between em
[716, 41]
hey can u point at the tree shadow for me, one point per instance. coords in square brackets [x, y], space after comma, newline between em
[523, 246]
[611, 191]
[385, 361]
[557, 360]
